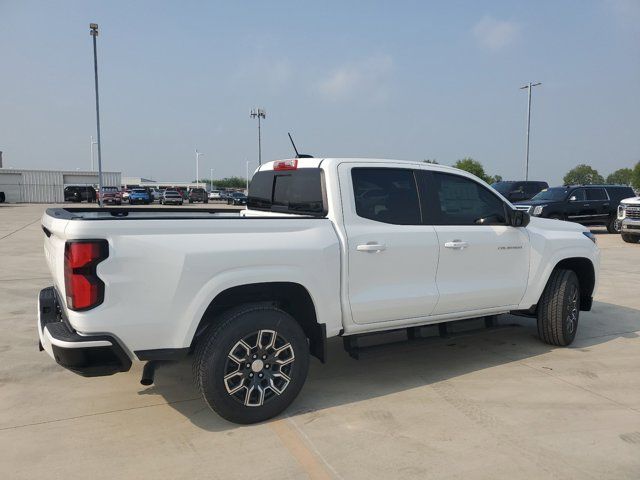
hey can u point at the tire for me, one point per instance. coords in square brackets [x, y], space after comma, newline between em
[614, 225]
[556, 217]
[559, 308]
[254, 325]
[190, 201]
[630, 238]
[206, 201]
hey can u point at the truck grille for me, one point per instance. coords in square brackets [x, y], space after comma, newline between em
[524, 208]
[633, 212]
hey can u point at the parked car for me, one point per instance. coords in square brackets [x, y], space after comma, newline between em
[584, 204]
[198, 195]
[171, 197]
[156, 194]
[326, 248]
[516, 191]
[214, 195]
[237, 198]
[2, 197]
[140, 195]
[629, 218]
[111, 195]
[79, 193]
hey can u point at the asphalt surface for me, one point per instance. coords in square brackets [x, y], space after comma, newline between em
[491, 404]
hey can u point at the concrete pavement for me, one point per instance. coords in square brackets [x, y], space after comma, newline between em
[494, 404]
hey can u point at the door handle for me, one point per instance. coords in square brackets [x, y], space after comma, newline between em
[586, 205]
[371, 247]
[456, 244]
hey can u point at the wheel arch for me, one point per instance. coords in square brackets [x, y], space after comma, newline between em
[291, 297]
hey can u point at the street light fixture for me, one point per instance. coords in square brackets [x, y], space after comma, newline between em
[529, 86]
[198, 155]
[259, 113]
[94, 33]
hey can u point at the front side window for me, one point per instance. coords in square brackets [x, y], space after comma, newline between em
[461, 201]
[386, 195]
[578, 195]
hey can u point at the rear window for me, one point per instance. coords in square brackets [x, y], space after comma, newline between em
[290, 191]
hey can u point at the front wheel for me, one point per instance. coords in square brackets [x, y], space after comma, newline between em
[559, 308]
[251, 364]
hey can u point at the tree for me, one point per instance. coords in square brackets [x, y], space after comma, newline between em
[494, 179]
[470, 165]
[635, 177]
[231, 182]
[583, 175]
[620, 177]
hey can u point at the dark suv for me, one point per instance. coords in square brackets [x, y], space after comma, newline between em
[516, 191]
[585, 204]
[198, 195]
[79, 194]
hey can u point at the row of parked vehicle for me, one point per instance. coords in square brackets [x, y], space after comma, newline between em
[147, 196]
[589, 205]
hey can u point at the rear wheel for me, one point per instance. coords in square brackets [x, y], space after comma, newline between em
[559, 308]
[614, 225]
[252, 363]
[630, 238]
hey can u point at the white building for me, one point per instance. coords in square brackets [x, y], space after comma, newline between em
[47, 186]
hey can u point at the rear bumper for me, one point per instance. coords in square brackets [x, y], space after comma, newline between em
[89, 356]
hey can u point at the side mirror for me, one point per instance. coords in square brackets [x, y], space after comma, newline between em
[519, 218]
[573, 198]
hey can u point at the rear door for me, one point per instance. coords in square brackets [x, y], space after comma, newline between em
[599, 203]
[392, 257]
[484, 263]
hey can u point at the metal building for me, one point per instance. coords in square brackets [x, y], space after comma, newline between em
[47, 186]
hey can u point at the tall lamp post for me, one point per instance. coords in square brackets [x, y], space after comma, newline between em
[93, 142]
[248, 162]
[211, 180]
[528, 87]
[259, 113]
[198, 155]
[94, 33]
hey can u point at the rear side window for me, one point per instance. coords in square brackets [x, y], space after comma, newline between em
[387, 195]
[596, 194]
[461, 201]
[295, 191]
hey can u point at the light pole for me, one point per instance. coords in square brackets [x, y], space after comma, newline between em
[94, 33]
[93, 142]
[198, 154]
[211, 177]
[248, 162]
[259, 113]
[529, 86]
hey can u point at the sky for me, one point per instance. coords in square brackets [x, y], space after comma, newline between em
[403, 79]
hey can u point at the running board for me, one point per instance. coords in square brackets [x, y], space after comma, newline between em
[356, 344]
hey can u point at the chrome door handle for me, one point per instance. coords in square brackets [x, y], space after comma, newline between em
[456, 244]
[371, 247]
[586, 205]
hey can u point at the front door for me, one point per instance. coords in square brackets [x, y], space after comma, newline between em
[392, 256]
[484, 262]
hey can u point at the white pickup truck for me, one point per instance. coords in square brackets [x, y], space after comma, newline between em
[629, 217]
[326, 247]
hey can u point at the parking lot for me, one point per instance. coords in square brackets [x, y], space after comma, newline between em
[489, 404]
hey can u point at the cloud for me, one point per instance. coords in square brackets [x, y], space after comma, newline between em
[495, 34]
[365, 77]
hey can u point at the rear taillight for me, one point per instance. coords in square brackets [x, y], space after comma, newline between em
[83, 289]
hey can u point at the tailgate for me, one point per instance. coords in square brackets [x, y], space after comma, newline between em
[54, 241]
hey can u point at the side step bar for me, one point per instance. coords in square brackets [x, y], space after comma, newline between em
[355, 344]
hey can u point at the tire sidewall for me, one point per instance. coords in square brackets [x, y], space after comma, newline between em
[214, 360]
[572, 279]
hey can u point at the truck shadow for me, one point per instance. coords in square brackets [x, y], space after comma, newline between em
[391, 368]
